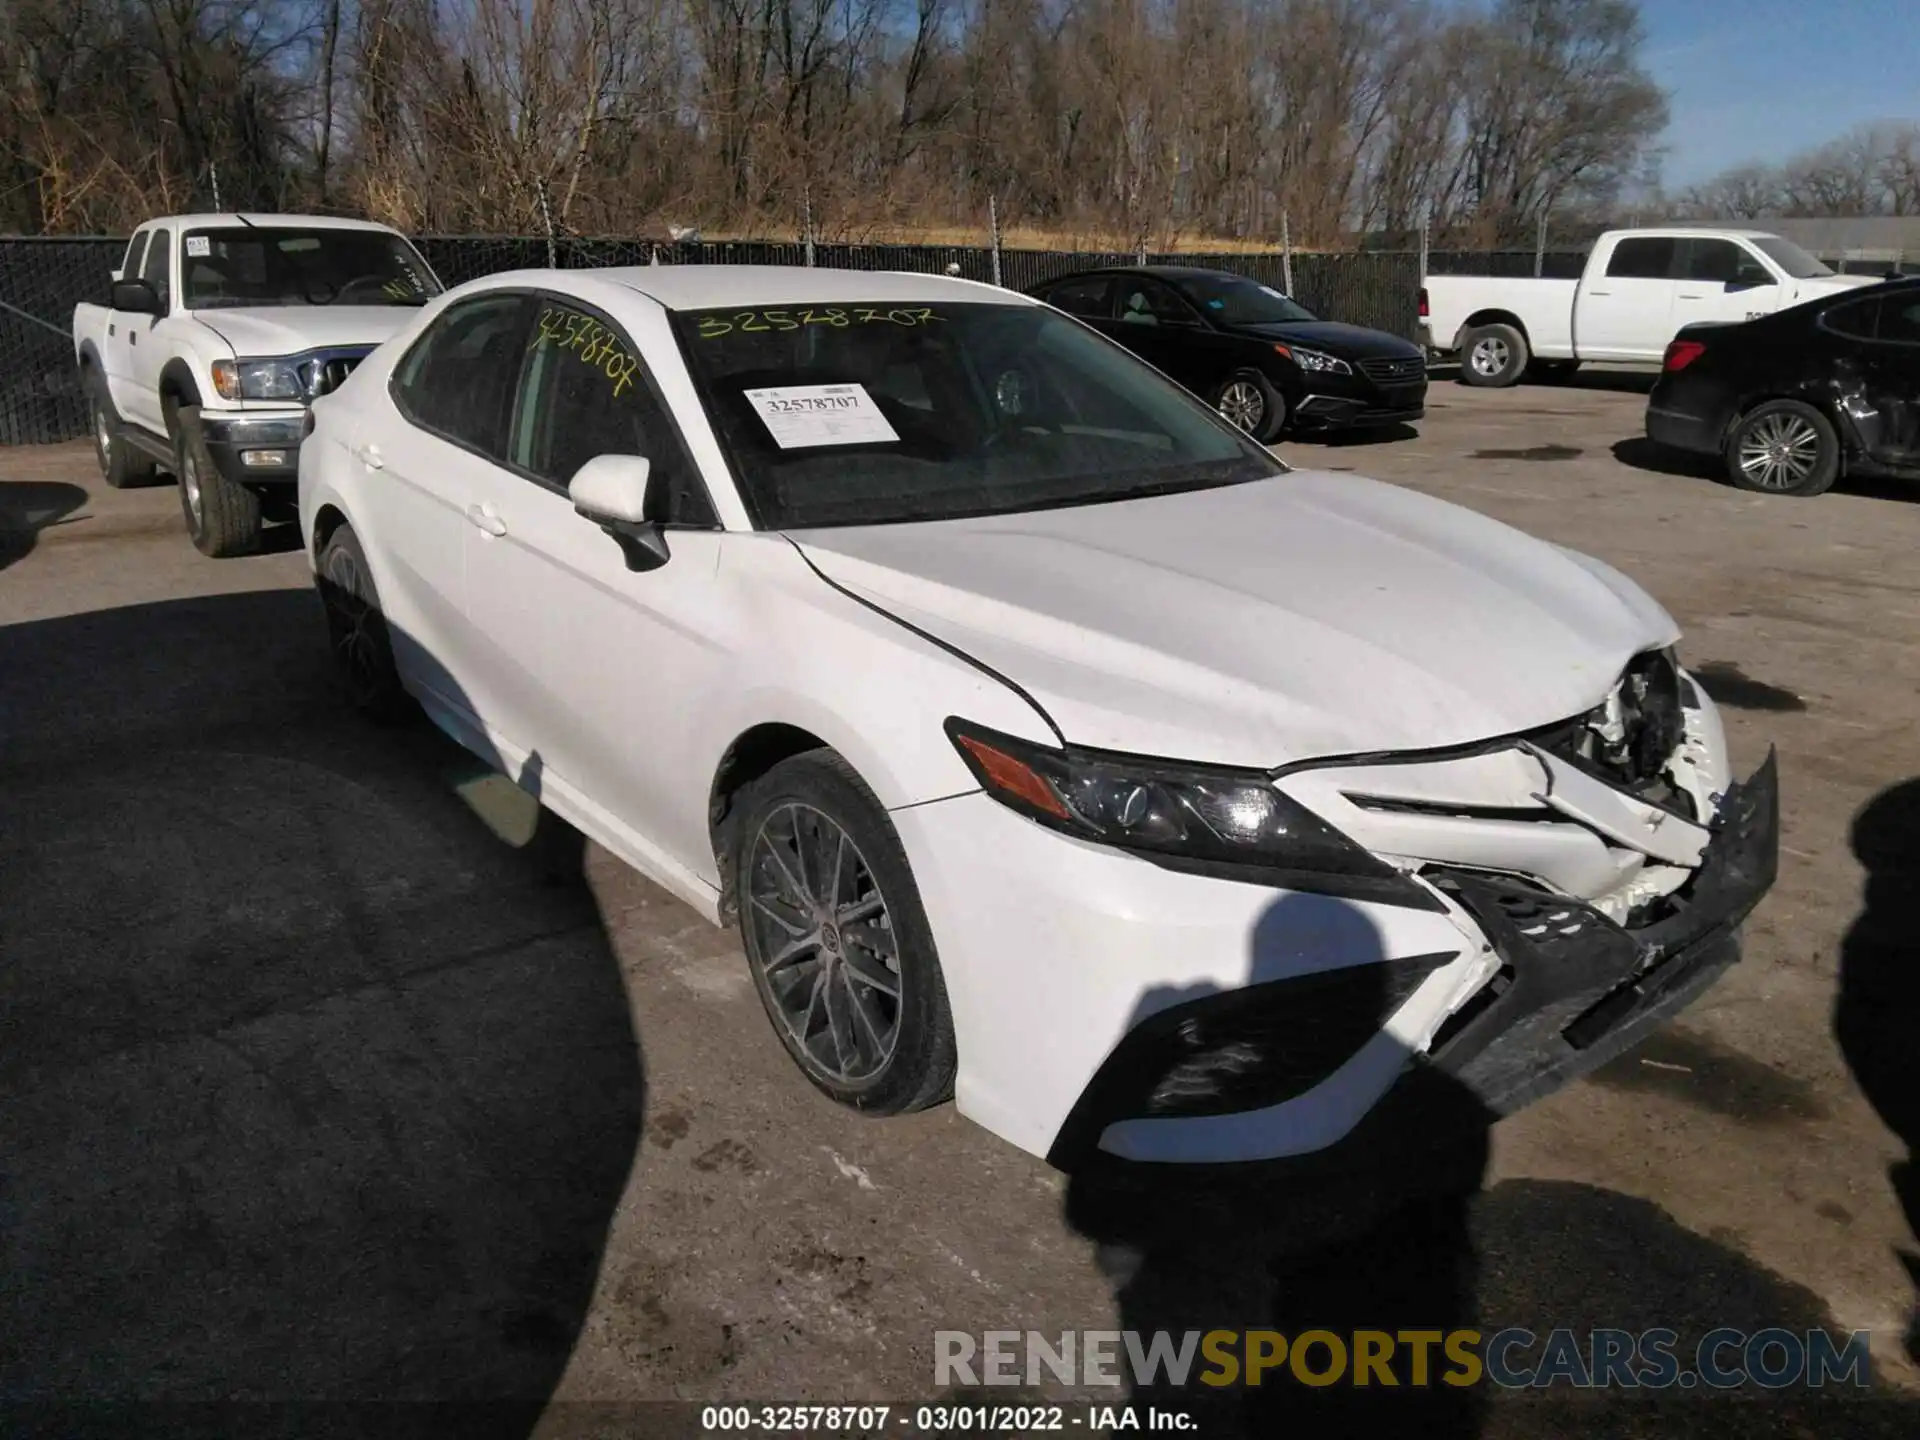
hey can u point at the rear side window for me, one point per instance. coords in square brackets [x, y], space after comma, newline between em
[1644, 257]
[154, 272]
[1900, 318]
[1091, 297]
[585, 393]
[458, 380]
[1857, 319]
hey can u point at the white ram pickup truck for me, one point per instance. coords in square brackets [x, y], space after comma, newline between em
[222, 329]
[1638, 289]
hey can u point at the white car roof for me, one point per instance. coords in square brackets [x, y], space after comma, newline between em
[269, 221]
[700, 287]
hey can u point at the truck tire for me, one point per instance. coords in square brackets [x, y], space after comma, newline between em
[223, 518]
[1493, 356]
[121, 466]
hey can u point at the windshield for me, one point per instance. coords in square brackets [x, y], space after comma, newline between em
[875, 414]
[1790, 257]
[254, 265]
[1234, 300]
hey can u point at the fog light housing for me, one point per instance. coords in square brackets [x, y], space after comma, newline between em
[263, 459]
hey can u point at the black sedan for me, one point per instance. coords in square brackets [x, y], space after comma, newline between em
[1263, 361]
[1793, 401]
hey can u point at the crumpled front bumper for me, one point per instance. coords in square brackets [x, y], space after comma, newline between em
[1575, 989]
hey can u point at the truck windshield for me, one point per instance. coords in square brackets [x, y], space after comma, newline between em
[258, 265]
[1233, 300]
[1790, 257]
[852, 414]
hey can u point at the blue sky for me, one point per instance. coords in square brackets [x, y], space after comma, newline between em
[1766, 79]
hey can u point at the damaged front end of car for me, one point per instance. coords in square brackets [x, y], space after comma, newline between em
[1606, 864]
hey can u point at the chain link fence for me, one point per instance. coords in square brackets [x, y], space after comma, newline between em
[41, 280]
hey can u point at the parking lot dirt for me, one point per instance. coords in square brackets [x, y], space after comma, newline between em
[328, 1069]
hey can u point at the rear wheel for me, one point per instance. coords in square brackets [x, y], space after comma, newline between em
[1784, 447]
[839, 946]
[1248, 401]
[1493, 355]
[357, 629]
[121, 466]
[222, 518]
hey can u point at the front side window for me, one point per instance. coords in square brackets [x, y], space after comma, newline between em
[1644, 257]
[1235, 300]
[1721, 262]
[874, 414]
[154, 271]
[260, 265]
[1148, 302]
[585, 392]
[1790, 257]
[458, 380]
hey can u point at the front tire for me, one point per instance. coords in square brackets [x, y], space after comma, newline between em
[223, 518]
[840, 949]
[1783, 447]
[1247, 401]
[121, 466]
[357, 630]
[1493, 356]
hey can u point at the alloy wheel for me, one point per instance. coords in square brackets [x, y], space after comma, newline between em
[352, 622]
[1779, 452]
[825, 944]
[190, 486]
[1243, 405]
[1489, 356]
[103, 434]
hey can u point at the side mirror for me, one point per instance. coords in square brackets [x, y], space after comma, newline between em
[135, 297]
[613, 491]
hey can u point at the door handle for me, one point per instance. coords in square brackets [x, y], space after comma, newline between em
[487, 519]
[370, 456]
[1688, 295]
[133, 337]
[111, 330]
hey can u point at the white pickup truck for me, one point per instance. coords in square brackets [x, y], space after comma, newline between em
[222, 329]
[1639, 287]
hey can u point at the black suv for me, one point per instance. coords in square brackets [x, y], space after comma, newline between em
[1263, 361]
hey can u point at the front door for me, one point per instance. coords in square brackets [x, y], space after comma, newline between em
[146, 355]
[425, 464]
[592, 676]
[1627, 312]
[1162, 329]
[1720, 281]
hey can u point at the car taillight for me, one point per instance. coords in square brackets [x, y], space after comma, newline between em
[1680, 354]
[1423, 302]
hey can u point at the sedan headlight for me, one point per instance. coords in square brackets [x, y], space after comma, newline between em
[1231, 823]
[258, 380]
[1318, 361]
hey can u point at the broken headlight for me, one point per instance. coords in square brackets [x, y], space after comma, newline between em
[1231, 823]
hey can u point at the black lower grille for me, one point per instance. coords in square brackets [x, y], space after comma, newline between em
[1245, 1049]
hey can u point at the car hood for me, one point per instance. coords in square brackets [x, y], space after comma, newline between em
[1815, 286]
[1299, 617]
[1353, 342]
[291, 329]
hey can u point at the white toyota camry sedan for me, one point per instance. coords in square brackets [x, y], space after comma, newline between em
[1053, 745]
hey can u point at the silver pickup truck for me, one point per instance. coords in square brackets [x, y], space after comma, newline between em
[221, 330]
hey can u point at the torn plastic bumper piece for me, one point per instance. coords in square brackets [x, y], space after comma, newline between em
[1576, 989]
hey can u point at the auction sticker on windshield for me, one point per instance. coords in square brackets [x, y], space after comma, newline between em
[799, 416]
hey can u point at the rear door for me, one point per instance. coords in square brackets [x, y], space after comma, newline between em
[1625, 311]
[1721, 281]
[1887, 413]
[424, 465]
